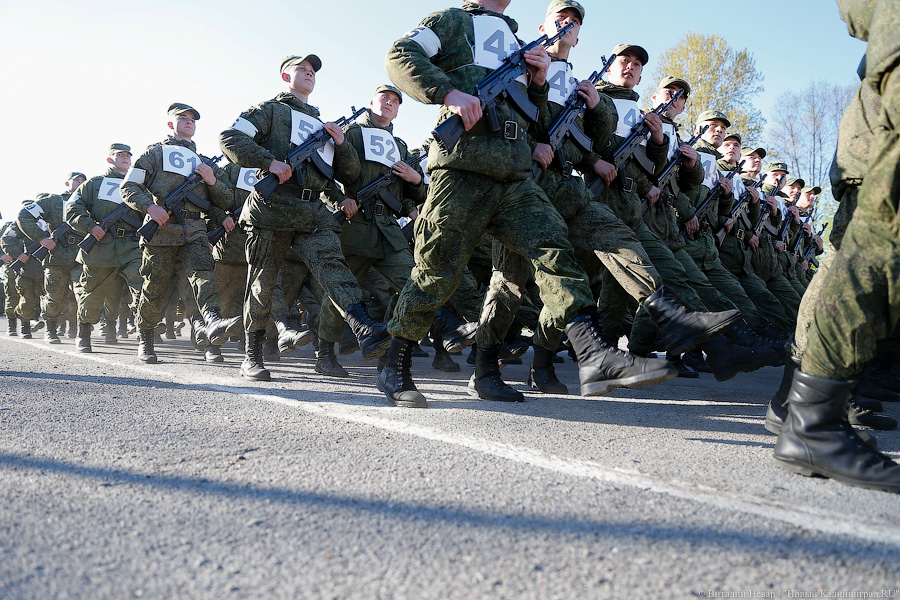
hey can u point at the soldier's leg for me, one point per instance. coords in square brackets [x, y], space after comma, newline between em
[97, 284]
[382, 295]
[331, 321]
[466, 301]
[786, 294]
[765, 301]
[11, 300]
[29, 292]
[673, 274]
[504, 296]
[157, 271]
[723, 280]
[230, 281]
[57, 285]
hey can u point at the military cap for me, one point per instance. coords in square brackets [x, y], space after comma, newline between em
[177, 108]
[294, 59]
[75, 174]
[814, 189]
[115, 148]
[561, 5]
[390, 88]
[796, 180]
[639, 52]
[776, 166]
[736, 136]
[676, 81]
[747, 151]
[713, 115]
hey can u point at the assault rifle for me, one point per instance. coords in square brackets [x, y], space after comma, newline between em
[564, 127]
[739, 208]
[119, 214]
[713, 195]
[307, 151]
[629, 148]
[176, 198]
[812, 245]
[493, 90]
[217, 233]
[765, 210]
[379, 189]
[36, 251]
[667, 179]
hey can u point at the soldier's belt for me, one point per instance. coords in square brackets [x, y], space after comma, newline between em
[190, 214]
[739, 233]
[705, 227]
[509, 130]
[627, 184]
[70, 239]
[565, 171]
[382, 209]
[121, 232]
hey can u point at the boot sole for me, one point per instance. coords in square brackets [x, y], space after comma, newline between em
[602, 388]
[773, 426]
[266, 377]
[148, 361]
[809, 471]
[475, 393]
[221, 339]
[378, 350]
[562, 391]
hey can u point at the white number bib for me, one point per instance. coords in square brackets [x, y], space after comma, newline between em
[669, 130]
[710, 173]
[246, 179]
[380, 145]
[178, 159]
[494, 41]
[737, 186]
[303, 126]
[629, 116]
[109, 190]
[559, 77]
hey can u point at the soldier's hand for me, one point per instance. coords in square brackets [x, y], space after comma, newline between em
[754, 242]
[23, 258]
[543, 154]
[729, 225]
[773, 205]
[413, 214]
[158, 214]
[804, 265]
[48, 243]
[692, 226]
[228, 224]
[281, 170]
[205, 171]
[97, 232]
[807, 228]
[335, 131]
[690, 155]
[6, 258]
[468, 107]
[795, 213]
[350, 207]
[754, 195]
[538, 62]
[779, 246]
[406, 173]
[653, 195]
[819, 243]
[605, 170]
[588, 93]
[654, 124]
[725, 184]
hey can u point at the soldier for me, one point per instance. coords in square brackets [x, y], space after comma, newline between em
[155, 174]
[26, 283]
[806, 207]
[294, 214]
[116, 256]
[10, 295]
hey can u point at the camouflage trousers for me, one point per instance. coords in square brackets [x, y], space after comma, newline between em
[320, 251]
[231, 281]
[102, 286]
[10, 293]
[460, 208]
[735, 259]
[296, 285]
[782, 289]
[29, 291]
[159, 266]
[58, 282]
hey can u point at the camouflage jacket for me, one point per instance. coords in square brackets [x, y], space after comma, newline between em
[92, 202]
[440, 56]
[13, 243]
[232, 247]
[267, 132]
[49, 212]
[858, 126]
[152, 178]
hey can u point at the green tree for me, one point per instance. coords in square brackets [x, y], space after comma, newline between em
[721, 78]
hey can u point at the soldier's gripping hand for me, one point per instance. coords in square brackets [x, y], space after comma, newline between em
[335, 131]
[23, 258]
[538, 62]
[350, 207]
[605, 170]
[754, 242]
[654, 124]
[48, 243]
[589, 94]
[6, 258]
[795, 213]
[653, 195]
[807, 228]
[205, 171]
[468, 107]
[543, 154]
[773, 205]
[754, 195]
[228, 224]
[97, 232]
[693, 225]
[406, 173]
[158, 214]
[779, 246]
[281, 170]
[725, 184]
[819, 243]
[689, 154]
[728, 225]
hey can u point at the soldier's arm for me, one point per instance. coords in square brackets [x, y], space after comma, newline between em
[684, 208]
[28, 221]
[221, 195]
[409, 61]
[689, 178]
[600, 123]
[135, 187]
[78, 209]
[347, 165]
[240, 142]
[658, 154]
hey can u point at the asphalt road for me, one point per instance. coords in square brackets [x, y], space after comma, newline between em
[180, 480]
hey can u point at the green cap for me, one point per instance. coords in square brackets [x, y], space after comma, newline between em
[390, 88]
[75, 174]
[115, 148]
[713, 115]
[294, 59]
[747, 151]
[177, 108]
[795, 180]
[561, 5]
[776, 166]
[632, 49]
[678, 82]
[736, 136]
[814, 189]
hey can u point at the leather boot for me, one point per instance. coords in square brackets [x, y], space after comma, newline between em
[695, 360]
[198, 333]
[50, 335]
[456, 333]
[12, 324]
[878, 370]
[123, 326]
[348, 344]
[866, 419]
[218, 328]
[145, 346]
[442, 360]
[869, 388]
[486, 382]
[395, 379]
[213, 354]
[270, 349]
[71, 332]
[170, 327]
[83, 339]
[542, 375]
[326, 361]
[816, 439]
[253, 367]
[109, 333]
[26, 329]
[373, 337]
[603, 367]
[727, 360]
[682, 329]
[777, 411]
[742, 335]
[289, 338]
[684, 371]
[40, 325]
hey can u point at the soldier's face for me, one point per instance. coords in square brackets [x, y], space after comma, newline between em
[121, 161]
[730, 149]
[775, 178]
[564, 17]
[73, 183]
[806, 200]
[385, 105]
[625, 71]
[662, 96]
[793, 191]
[752, 163]
[301, 78]
[715, 133]
[183, 125]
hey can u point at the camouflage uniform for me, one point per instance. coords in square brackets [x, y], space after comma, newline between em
[27, 282]
[766, 264]
[10, 295]
[230, 252]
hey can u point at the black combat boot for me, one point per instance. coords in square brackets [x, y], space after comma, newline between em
[123, 326]
[218, 328]
[83, 339]
[326, 361]
[289, 338]
[866, 419]
[109, 333]
[145, 346]
[50, 335]
[253, 367]
[26, 329]
[684, 370]
[12, 324]
[603, 367]
[348, 344]
[396, 380]
[742, 335]
[456, 333]
[878, 370]
[682, 329]
[542, 375]
[373, 337]
[170, 327]
[816, 438]
[442, 360]
[486, 382]
[869, 388]
[777, 411]
[198, 333]
[727, 360]
[271, 353]
[213, 354]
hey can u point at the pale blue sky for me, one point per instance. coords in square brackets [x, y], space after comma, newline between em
[80, 75]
